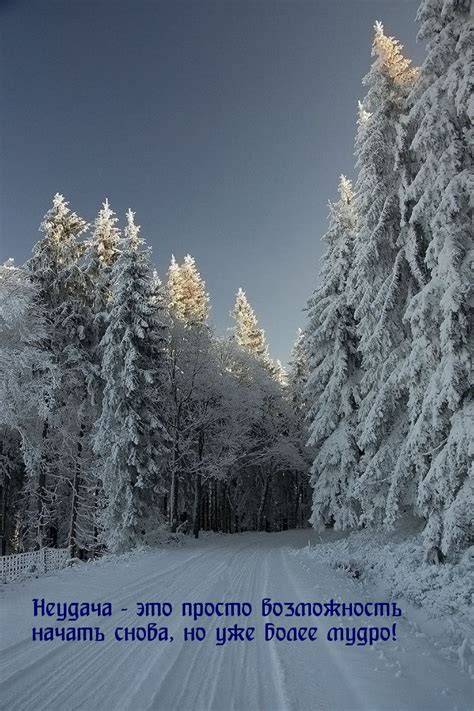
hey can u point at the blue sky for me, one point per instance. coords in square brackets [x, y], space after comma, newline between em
[223, 124]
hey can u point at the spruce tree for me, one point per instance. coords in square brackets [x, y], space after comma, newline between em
[251, 337]
[55, 269]
[188, 304]
[28, 380]
[187, 296]
[379, 274]
[441, 315]
[298, 373]
[247, 332]
[131, 439]
[101, 255]
[331, 387]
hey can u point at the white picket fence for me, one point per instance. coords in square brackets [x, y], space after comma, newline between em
[22, 565]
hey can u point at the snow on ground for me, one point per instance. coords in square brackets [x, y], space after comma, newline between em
[412, 674]
[396, 562]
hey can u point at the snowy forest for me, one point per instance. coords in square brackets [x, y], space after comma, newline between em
[126, 412]
[125, 416]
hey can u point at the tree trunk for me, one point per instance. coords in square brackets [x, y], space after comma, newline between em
[198, 490]
[209, 508]
[41, 503]
[72, 544]
[197, 505]
[174, 501]
[174, 493]
[215, 527]
[263, 499]
[223, 507]
[4, 530]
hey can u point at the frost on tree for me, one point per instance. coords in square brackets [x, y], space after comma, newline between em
[130, 438]
[188, 304]
[247, 332]
[251, 337]
[295, 394]
[266, 489]
[102, 250]
[27, 382]
[64, 291]
[380, 275]
[331, 387]
[298, 374]
[441, 314]
[187, 296]
[101, 256]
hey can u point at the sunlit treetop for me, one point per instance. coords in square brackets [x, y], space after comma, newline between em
[390, 58]
[106, 235]
[187, 296]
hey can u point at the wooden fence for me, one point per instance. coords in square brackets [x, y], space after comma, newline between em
[22, 565]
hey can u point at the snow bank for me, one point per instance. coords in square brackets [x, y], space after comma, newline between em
[397, 563]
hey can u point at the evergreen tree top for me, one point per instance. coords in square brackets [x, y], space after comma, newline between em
[247, 332]
[60, 223]
[389, 58]
[106, 236]
[187, 296]
[131, 231]
[345, 190]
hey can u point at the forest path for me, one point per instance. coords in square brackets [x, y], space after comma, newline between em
[410, 674]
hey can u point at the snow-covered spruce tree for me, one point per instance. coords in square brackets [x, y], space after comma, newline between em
[298, 373]
[331, 387]
[27, 374]
[130, 438]
[27, 382]
[280, 373]
[187, 296]
[64, 293]
[246, 331]
[188, 304]
[249, 336]
[441, 314]
[380, 275]
[11, 482]
[297, 379]
[102, 251]
[257, 473]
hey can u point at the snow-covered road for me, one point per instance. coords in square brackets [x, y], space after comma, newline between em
[409, 674]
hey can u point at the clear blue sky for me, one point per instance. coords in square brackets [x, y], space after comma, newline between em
[224, 125]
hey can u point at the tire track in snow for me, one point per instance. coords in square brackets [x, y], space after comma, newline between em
[318, 651]
[9, 654]
[198, 658]
[207, 590]
[91, 655]
[148, 653]
[207, 691]
[176, 593]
